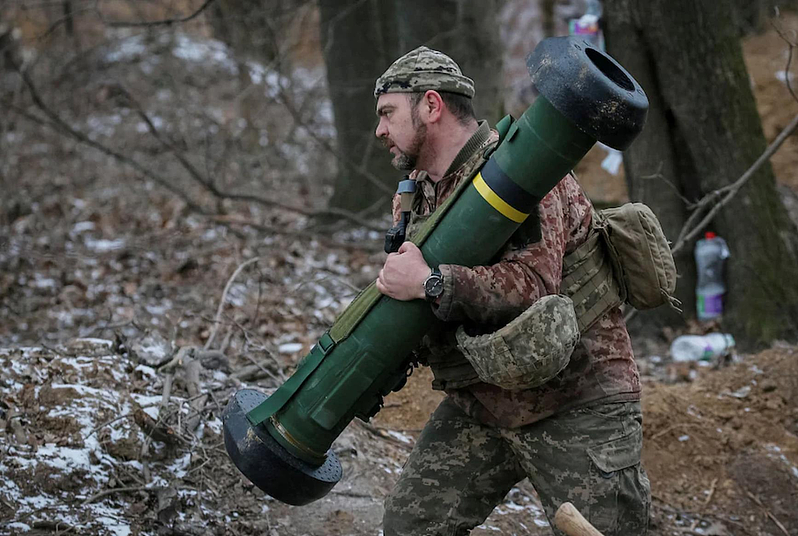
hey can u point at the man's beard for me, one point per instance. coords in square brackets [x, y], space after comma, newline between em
[407, 160]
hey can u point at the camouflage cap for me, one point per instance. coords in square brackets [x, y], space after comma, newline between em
[422, 69]
[530, 350]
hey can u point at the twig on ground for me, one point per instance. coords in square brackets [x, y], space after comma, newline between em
[57, 527]
[250, 373]
[329, 275]
[111, 491]
[768, 513]
[154, 429]
[194, 386]
[223, 299]
[106, 423]
[711, 493]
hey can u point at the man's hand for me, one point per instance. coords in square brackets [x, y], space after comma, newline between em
[402, 277]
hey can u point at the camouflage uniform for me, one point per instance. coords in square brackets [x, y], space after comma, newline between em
[578, 436]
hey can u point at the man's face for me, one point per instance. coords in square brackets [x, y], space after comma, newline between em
[400, 129]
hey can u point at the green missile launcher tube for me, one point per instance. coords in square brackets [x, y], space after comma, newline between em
[283, 443]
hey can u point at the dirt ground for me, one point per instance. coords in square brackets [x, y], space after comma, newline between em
[721, 452]
[100, 269]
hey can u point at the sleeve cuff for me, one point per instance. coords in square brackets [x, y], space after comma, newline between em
[443, 310]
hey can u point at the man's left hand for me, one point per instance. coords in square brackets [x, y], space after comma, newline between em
[402, 277]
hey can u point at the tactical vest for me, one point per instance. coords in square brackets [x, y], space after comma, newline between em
[587, 279]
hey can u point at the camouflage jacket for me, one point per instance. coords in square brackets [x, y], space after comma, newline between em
[483, 298]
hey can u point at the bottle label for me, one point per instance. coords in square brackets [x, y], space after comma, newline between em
[710, 306]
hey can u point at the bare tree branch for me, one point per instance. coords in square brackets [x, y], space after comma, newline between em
[790, 47]
[731, 190]
[690, 229]
[209, 185]
[164, 22]
[223, 299]
[59, 124]
[285, 101]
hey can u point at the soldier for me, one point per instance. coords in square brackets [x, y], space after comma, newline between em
[573, 424]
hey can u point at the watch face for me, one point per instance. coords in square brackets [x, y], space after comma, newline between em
[433, 286]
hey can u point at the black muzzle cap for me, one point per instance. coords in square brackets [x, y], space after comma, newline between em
[266, 463]
[590, 88]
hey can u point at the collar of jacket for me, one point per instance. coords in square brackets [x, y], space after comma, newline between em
[477, 140]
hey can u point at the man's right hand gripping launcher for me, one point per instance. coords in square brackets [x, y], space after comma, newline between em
[282, 443]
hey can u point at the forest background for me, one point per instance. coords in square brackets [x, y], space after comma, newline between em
[203, 174]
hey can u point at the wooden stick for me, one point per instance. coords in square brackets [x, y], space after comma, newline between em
[570, 521]
[111, 491]
[768, 513]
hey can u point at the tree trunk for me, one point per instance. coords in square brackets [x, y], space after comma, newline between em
[359, 42]
[703, 133]
[467, 31]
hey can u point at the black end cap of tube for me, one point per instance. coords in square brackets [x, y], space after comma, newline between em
[590, 88]
[266, 463]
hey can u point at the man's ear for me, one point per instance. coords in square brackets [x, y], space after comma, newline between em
[433, 105]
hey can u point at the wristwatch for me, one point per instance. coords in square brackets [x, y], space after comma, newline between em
[433, 285]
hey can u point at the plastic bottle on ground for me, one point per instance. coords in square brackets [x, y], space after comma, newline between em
[701, 347]
[710, 254]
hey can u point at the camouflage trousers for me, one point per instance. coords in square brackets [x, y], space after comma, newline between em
[461, 469]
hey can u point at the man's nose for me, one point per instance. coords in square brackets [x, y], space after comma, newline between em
[381, 130]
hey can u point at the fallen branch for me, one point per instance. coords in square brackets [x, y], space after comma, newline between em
[675, 427]
[106, 423]
[154, 429]
[111, 491]
[254, 372]
[193, 386]
[711, 493]
[768, 513]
